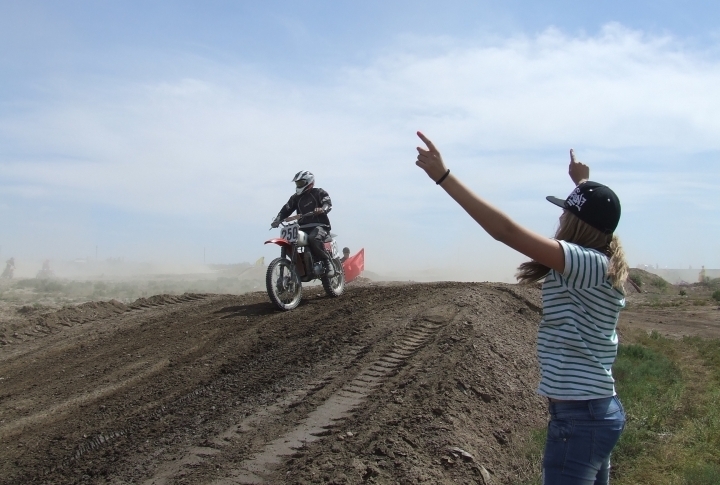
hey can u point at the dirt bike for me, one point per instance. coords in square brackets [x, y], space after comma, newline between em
[297, 265]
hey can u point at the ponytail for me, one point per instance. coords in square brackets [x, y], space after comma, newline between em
[617, 267]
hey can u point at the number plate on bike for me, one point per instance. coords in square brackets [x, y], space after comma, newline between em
[290, 233]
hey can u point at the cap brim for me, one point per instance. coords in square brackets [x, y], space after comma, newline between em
[556, 201]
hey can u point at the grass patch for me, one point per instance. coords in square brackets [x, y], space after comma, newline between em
[658, 303]
[670, 390]
[649, 385]
[705, 474]
[532, 452]
[660, 284]
[671, 393]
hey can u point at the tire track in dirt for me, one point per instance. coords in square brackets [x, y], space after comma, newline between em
[205, 320]
[250, 394]
[58, 410]
[32, 414]
[318, 422]
[332, 412]
[195, 455]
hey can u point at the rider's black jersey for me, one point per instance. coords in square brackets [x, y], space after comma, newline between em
[307, 202]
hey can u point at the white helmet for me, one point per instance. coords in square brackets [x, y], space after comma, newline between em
[304, 180]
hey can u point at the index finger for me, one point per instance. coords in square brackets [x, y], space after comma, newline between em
[572, 156]
[427, 141]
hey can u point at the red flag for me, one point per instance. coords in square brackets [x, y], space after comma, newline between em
[354, 266]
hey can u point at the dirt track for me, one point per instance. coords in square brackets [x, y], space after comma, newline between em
[416, 383]
[375, 386]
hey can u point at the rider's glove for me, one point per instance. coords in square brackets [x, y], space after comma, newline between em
[274, 223]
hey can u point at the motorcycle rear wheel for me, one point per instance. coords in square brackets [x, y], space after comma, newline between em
[335, 285]
[283, 285]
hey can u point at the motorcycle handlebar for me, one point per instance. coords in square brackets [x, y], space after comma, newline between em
[295, 218]
[298, 217]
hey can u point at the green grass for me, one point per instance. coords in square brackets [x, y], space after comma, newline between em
[658, 303]
[671, 392]
[659, 283]
[703, 474]
[532, 454]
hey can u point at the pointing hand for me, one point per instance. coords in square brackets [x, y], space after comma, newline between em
[578, 171]
[430, 160]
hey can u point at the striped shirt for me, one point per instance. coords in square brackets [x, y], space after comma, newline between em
[577, 343]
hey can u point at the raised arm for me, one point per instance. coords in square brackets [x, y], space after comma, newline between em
[578, 171]
[539, 248]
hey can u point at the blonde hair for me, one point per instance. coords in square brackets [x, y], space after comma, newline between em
[573, 230]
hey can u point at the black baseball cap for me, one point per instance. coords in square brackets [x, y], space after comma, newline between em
[594, 204]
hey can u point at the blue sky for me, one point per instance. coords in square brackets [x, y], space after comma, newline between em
[162, 131]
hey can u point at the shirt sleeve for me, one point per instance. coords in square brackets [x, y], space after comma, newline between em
[584, 268]
[324, 199]
[288, 208]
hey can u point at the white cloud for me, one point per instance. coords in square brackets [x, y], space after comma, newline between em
[223, 142]
[619, 89]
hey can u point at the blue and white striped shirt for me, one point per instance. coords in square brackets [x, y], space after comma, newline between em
[577, 342]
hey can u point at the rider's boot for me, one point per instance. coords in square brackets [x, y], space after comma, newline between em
[329, 268]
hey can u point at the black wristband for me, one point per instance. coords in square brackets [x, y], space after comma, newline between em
[443, 177]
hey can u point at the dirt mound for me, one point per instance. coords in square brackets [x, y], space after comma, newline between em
[361, 280]
[34, 322]
[648, 282]
[404, 383]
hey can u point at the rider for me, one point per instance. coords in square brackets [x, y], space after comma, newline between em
[9, 268]
[308, 199]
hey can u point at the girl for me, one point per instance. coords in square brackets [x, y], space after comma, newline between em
[584, 269]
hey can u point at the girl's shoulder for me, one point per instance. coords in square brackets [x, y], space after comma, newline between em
[584, 267]
[576, 248]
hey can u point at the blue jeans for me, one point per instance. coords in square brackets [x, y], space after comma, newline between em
[581, 435]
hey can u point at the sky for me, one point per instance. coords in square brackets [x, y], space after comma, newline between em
[170, 131]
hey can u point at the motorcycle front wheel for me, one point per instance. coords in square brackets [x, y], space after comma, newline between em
[283, 285]
[335, 285]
